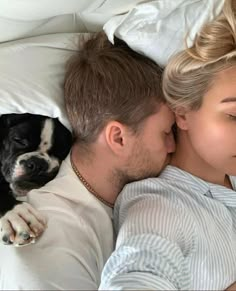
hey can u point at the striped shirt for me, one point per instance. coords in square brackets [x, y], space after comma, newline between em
[176, 232]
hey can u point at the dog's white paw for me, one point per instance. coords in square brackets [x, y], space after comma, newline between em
[22, 225]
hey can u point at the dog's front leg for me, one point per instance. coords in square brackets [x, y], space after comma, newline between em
[22, 225]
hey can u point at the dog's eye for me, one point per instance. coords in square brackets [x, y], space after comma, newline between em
[20, 141]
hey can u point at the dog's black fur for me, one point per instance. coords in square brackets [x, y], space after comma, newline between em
[31, 150]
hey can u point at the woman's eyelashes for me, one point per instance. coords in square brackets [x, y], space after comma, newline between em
[232, 117]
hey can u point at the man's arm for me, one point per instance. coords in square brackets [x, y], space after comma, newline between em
[63, 258]
[28, 268]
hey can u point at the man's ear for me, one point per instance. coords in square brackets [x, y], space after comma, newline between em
[116, 136]
[180, 117]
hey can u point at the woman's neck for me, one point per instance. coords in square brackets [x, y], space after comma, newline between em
[187, 159]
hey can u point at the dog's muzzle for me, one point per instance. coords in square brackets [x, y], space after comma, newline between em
[32, 170]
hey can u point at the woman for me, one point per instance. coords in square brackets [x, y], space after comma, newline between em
[178, 231]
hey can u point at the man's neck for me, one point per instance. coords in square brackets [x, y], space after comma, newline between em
[98, 174]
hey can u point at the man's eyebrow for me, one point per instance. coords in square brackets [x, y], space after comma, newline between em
[228, 99]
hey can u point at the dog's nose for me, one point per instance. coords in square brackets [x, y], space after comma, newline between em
[35, 164]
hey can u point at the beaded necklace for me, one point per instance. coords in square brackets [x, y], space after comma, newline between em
[87, 186]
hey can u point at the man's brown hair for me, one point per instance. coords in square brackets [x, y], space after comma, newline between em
[105, 82]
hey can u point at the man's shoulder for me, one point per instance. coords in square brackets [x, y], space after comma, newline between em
[65, 196]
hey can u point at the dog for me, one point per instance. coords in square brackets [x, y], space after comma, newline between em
[32, 148]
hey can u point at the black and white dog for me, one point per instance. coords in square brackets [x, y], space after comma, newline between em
[31, 150]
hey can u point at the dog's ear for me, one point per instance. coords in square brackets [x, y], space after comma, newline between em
[9, 120]
[62, 136]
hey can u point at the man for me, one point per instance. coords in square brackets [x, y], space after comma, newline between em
[122, 133]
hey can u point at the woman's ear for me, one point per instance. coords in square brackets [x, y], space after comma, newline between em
[181, 118]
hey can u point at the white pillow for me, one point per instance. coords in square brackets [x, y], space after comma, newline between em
[32, 74]
[26, 18]
[158, 29]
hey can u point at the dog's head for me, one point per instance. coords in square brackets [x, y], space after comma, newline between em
[31, 150]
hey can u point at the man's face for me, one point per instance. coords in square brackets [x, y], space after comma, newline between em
[152, 146]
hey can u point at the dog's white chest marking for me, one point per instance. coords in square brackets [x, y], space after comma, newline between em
[46, 136]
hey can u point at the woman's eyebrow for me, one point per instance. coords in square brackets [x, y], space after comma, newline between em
[228, 99]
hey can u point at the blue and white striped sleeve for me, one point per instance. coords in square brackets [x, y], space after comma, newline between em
[144, 262]
[151, 246]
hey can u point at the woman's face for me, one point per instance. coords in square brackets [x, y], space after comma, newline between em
[211, 130]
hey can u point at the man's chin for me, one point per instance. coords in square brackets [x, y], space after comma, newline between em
[167, 161]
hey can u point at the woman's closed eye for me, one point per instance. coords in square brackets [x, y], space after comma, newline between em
[232, 116]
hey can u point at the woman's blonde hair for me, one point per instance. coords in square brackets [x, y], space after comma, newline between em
[190, 74]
